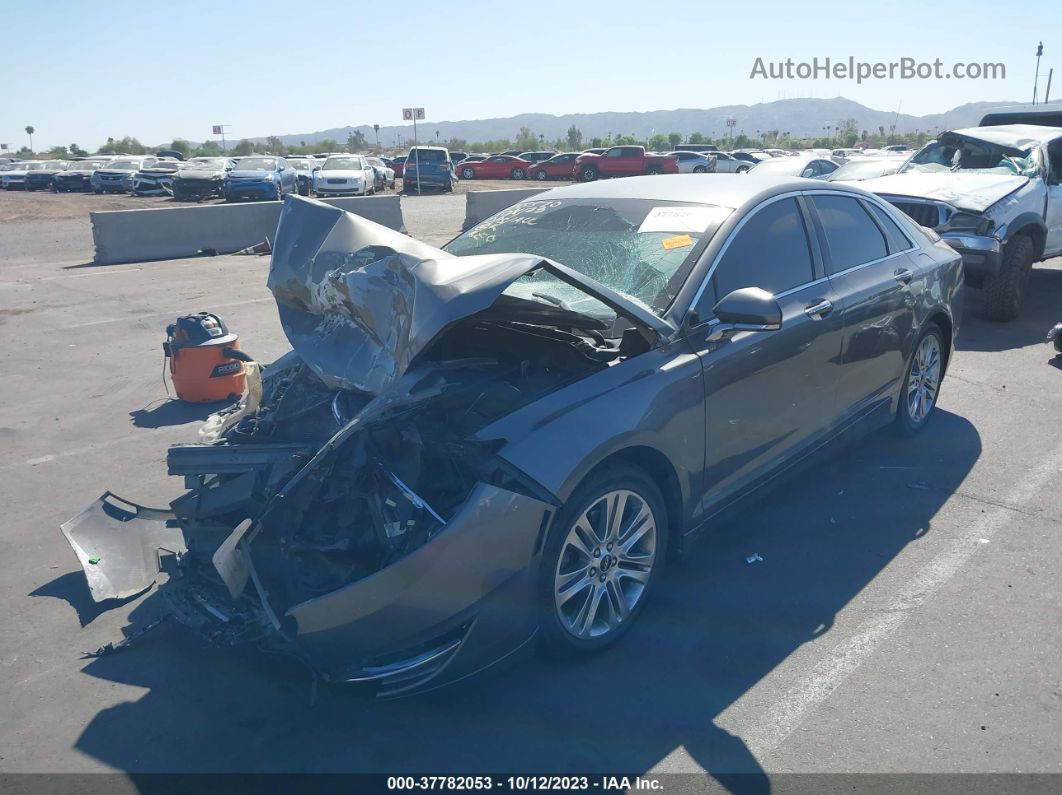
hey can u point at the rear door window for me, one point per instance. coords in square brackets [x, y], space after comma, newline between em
[896, 239]
[851, 234]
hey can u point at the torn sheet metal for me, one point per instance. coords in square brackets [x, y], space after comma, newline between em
[359, 301]
[218, 423]
[118, 544]
[231, 562]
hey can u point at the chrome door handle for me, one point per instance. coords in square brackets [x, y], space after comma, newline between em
[903, 275]
[819, 311]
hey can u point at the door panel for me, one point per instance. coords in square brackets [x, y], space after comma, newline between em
[1054, 217]
[769, 394]
[877, 285]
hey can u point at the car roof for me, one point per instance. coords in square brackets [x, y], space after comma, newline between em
[723, 190]
[1018, 136]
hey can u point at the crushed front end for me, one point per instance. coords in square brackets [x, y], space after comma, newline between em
[348, 511]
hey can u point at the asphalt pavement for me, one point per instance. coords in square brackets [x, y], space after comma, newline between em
[905, 615]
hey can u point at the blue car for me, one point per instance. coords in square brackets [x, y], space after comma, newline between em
[44, 178]
[428, 167]
[261, 177]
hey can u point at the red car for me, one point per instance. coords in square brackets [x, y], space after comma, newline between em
[557, 167]
[623, 161]
[398, 165]
[495, 167]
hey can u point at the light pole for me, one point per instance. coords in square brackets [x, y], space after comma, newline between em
[376, 129]
[1036, 83]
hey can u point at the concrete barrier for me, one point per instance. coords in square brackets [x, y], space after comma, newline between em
[178, 232]
[482, 204]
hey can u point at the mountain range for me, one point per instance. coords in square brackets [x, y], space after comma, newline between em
[800, 117]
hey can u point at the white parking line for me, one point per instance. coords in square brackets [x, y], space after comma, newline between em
[44, 459]
[158, 314]
[787, 713]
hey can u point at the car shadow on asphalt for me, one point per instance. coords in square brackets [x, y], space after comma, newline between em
[716, 628]
[1040, 310]
[71, 588]
[175, 412]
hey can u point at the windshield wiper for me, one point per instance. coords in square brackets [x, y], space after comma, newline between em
[552, 299]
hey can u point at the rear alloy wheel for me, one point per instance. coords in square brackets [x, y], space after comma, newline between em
[540, 175]
[742, 169]
[603, 556]
[588, 173]
[700, 170]
[921, 387]
[1004, 290]
[518, 173]
[468, 173]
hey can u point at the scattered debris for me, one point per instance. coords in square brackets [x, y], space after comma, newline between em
[94, 560]
[920, 485]
[265, 247]
[755, 557]
[127, 641]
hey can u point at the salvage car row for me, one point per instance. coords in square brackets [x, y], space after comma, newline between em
[253, 177]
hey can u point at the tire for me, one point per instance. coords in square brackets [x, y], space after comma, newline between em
[517, 173]
[700, 170]
[1005, 290]
[743, 169]
[99, 193]
[652, 171]
[564, 628]
[539, 175]
[468, 173]
[449, 186]
[926, 364]
[588, 173]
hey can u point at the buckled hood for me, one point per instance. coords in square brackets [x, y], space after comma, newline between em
[965, 190]
[359, 301]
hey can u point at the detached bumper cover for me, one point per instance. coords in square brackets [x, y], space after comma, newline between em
[119, 545]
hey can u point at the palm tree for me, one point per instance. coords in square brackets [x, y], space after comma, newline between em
[30, 129]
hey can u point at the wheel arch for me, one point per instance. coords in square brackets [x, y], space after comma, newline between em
[1032, 225]
[662, 472]
[943, 321]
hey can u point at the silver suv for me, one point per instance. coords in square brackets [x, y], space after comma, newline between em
[995, 195]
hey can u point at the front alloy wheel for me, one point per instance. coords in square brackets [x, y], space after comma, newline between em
[922, 385]
[606, 562]
[601, 560]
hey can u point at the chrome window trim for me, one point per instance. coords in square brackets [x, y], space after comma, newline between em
[877, 261]
[734, 233]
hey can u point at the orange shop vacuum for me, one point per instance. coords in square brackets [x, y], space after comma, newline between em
[206, 363]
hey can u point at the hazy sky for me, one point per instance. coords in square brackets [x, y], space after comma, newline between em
[80, 72]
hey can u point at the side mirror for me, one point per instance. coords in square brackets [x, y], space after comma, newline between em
[747, 309]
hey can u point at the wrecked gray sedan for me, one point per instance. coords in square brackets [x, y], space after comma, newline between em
[471, 447]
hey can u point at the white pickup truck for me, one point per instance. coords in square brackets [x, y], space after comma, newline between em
[995, 195]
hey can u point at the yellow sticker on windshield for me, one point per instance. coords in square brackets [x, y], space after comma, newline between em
[677, 242]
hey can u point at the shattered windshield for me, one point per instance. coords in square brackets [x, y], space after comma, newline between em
[642, 248]
[961, 153]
